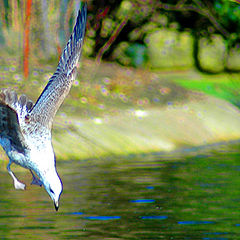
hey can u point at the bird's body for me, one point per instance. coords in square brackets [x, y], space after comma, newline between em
[25, 129]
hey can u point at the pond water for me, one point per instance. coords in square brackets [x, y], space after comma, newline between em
[188, 194]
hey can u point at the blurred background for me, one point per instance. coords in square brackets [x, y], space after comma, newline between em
[150, 34]
[147, 141]
[140, 58]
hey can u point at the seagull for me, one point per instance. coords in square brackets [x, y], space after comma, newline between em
[25, 128]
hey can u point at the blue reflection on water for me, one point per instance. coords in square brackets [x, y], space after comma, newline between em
[216, 233]
[102, 218]
[154, 217]
[150, 187]
[215, 238]
[143, 201]
[195, 222]
[76, 213]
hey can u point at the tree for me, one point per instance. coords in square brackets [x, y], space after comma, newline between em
[26, 45]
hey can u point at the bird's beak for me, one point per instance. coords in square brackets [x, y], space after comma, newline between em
[56, 205]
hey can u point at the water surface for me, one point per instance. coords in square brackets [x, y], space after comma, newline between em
[189, 194]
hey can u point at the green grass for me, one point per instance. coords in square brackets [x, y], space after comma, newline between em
[223, 86]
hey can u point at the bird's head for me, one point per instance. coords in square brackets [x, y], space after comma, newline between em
[53, 186]
[45, 168]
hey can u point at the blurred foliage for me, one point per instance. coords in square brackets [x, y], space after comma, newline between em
[229, 13]
[214, 51]
[175, 49]
[124, 30]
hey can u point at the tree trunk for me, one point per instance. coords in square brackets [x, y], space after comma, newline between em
[26, 47]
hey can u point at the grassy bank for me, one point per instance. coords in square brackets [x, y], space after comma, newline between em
[225, 86]
[200, 121]
[116, 110]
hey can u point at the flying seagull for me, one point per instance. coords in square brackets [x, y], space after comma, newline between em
[25, 128]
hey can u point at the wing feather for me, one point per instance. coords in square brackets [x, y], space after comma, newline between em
[12, 112]
[60, 83]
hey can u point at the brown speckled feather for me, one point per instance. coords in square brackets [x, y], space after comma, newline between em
[9, 127]
[12, 111]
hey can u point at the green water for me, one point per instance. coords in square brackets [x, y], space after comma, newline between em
[188, 194]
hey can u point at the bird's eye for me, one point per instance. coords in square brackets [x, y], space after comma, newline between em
[51, 191]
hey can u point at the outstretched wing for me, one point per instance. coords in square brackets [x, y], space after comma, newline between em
[12, 116]
[60, 83]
